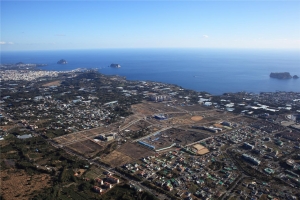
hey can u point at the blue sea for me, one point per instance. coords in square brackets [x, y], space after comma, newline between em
[212, 70]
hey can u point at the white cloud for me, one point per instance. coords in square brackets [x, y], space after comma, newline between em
[2, 42]
[205, 36]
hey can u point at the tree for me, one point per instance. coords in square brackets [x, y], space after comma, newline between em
[84, 186]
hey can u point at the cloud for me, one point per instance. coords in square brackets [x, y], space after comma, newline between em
[205, 36]
[2, 42]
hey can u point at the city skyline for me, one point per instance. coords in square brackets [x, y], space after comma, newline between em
[55, 25]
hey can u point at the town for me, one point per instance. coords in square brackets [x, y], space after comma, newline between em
[91, 136]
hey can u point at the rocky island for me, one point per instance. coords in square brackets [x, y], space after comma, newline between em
[62, 62]
[282, 75]
[115, 65]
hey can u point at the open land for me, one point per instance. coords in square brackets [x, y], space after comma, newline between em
[144, 136]
[20, 185]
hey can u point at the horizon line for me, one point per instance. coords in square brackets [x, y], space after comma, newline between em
[132, 48]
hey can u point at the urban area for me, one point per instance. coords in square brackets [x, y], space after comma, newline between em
[83, 135]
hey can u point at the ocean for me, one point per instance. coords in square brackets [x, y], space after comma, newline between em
[212, 70]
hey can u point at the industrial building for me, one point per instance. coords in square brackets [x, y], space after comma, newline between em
[106, 137]
[146, 145]
[251, 159]
[246, 145]
[210, 129]
[160, 117]
[226, 124]
[159, 98]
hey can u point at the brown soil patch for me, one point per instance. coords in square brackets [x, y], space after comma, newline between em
[116, 158]
[201, 149]
[135, 150]
[53, 83]
[5, 128]
[196, 118]
[79, 172]
[86, 147]
[218, 125]
[20, 185]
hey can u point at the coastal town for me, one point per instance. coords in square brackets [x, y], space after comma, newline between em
[85, 135]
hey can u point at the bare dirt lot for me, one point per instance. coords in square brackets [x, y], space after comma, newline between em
[150, 108]
[194, 108]
[135, 150]
[5, 128]
[19, 185]
[53, 83]
[116, 158]
[174, 135]
[139, 125]
[246, 120]
[209, 120]
[196, 118]
[82, 135]
[182, 118]
[86, 147]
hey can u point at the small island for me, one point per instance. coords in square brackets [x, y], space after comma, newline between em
[62, 62]
[282, 75]
[115, 65]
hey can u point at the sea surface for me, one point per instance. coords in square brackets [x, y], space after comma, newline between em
[212, 70]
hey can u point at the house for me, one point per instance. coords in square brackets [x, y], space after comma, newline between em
[97, 189]
[98, 180]
[112, 179]
[107, 185]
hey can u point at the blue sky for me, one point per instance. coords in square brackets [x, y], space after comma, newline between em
[53, 25]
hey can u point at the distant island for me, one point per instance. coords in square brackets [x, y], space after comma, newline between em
[115, 65]
[62, 62]
[282, 75]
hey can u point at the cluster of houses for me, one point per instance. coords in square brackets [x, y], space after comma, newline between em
[189, 169]
[106, 184]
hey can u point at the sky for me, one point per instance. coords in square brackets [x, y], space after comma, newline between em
[58, 25]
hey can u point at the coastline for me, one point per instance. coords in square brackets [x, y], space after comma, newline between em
[196, 69]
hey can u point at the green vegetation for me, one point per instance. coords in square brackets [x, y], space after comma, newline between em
[132, 176]
[125, 192]
[158, 189]
[215, 165]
